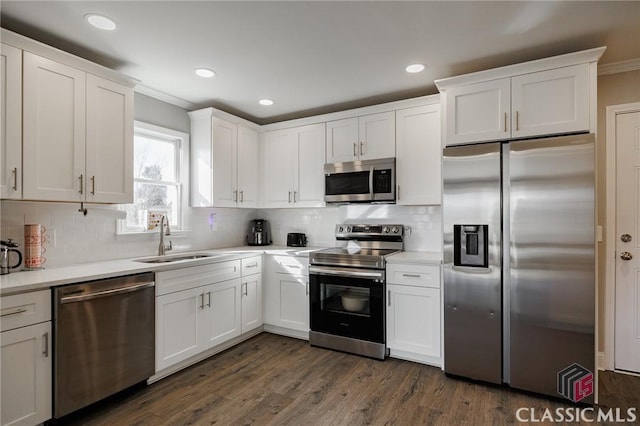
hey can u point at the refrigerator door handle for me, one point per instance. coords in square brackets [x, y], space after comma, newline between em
[472, 269]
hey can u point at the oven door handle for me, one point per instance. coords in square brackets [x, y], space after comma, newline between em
[346, 272]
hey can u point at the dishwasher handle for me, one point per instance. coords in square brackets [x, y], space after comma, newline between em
[106, 293]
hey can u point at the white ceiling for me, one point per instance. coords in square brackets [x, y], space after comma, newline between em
[317, 57]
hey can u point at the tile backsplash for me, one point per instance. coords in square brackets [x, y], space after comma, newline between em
[75, 238]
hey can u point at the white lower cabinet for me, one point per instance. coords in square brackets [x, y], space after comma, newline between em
[197, 308]
[201, 307]
[251, 293]
[286, 298]
[25, 358]
[413, 313]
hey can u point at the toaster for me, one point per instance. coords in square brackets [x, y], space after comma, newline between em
[296, 239]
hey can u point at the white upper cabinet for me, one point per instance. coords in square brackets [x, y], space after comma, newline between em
[544, 97]
[77, 135]
[418, 153]
[11, 126]
[224, 157]
[548, 102]
[109, 154]
[361, 138]
[478, 112]
[294, 165]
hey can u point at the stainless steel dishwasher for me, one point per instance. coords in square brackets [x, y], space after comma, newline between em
[104, 337]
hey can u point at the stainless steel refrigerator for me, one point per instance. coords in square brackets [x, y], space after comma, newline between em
[519, 261]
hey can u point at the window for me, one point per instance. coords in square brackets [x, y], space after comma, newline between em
[159, 177]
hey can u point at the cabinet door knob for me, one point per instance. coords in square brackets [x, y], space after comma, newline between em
[625, 255]
[625, 238]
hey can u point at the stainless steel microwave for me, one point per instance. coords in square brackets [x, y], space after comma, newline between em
[367, 181]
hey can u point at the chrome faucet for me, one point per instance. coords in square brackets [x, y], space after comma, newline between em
[162, 248]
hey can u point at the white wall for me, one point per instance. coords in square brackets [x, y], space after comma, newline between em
[75, 238]
[319, 224]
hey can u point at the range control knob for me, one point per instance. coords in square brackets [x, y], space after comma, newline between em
[395, 230]
[348, 229]
[341, 229]
[385, 229]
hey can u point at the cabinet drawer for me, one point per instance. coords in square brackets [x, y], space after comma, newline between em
[415, 275]
[24, 309]
[251, 265]
[196, 276]
[292, 265]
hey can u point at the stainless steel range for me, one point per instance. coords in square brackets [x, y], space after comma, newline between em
[347, 293]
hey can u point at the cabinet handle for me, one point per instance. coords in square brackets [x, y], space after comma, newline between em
[235, 195]
[246, 291]
[208, 299]
[81, 183]
[294, 195]
[361, 144]
[389, 298]
[517, 121]
[354, 149]
[289, 196]
[307, 287]
[242, 196]
[15, 178]
[93, 185]
[201, 300]
[45, 352]
[398, 193]
[253, 265]
[19, 311]
[411, 275]
[505, 121]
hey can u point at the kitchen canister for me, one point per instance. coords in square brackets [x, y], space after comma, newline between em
[34, 238]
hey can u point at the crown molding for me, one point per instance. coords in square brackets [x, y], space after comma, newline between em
[619, 67]
[165, 97]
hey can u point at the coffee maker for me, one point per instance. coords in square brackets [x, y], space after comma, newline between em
[259, 233]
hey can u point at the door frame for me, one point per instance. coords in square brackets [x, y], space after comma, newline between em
[610, 266]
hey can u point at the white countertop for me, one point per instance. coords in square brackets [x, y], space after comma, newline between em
[24, 281]
[424, 257]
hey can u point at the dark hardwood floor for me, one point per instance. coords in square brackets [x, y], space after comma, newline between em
[275, 380]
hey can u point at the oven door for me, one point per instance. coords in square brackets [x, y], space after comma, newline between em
[348, 302]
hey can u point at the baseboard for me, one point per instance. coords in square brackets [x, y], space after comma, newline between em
[419, 358]
[296, 334]
[601, 360]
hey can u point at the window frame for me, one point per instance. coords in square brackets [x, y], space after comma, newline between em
[182, 175]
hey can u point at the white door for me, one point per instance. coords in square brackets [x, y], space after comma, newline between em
[109, 161]
[11, 126]
[178, 326]
[377, 136]
[251, 302]
[627, 307]
[413, 320]
[224, 150]
[25, 356]
[247, 167]
[294, 302]
[280, 163]
[222, 307]
[478, 112]
[53, 130]
[418, 153]
[342, 140]
[309, 176]
[550, 102]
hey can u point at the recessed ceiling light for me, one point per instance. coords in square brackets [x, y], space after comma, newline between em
[205, 72]
[265, 102]
[100, 21]
[415, 68]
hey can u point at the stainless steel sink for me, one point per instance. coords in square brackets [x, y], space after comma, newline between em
[176, 258]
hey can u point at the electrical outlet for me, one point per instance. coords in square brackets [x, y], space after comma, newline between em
[50, 237]
[407, 230]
